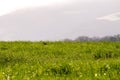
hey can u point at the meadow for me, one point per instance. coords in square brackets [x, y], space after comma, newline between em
[20, 60]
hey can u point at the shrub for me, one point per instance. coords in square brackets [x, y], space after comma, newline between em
[64, 69]
[106, 54]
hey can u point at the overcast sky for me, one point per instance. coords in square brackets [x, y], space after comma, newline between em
[58, 19]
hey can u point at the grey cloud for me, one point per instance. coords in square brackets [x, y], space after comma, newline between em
[59, 22]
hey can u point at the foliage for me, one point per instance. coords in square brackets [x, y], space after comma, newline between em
[105, 38]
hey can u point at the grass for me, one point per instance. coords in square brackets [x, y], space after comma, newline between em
[21, 60]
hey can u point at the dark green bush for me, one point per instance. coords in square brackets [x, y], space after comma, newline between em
[64, 69]
[106, 54]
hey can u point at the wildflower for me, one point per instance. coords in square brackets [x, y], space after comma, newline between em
[95, 74]
[104, 73]
[8, 77]
[108, 66]
[3, 73]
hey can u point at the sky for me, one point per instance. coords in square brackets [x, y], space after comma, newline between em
[7, 6]
[58, 19]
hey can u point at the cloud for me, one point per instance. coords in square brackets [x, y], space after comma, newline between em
[110, 17]
[8, 6]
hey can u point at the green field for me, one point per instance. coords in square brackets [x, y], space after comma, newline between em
[59, 60]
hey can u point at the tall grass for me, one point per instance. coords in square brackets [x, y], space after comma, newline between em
[59, 60]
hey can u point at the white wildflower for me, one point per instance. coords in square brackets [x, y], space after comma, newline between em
[3, 73]
[104, 73]
[8, 77]
[96, 75]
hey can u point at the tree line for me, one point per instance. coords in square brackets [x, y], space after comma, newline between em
[105, 38]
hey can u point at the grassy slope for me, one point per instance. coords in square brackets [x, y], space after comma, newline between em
[59, 60]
